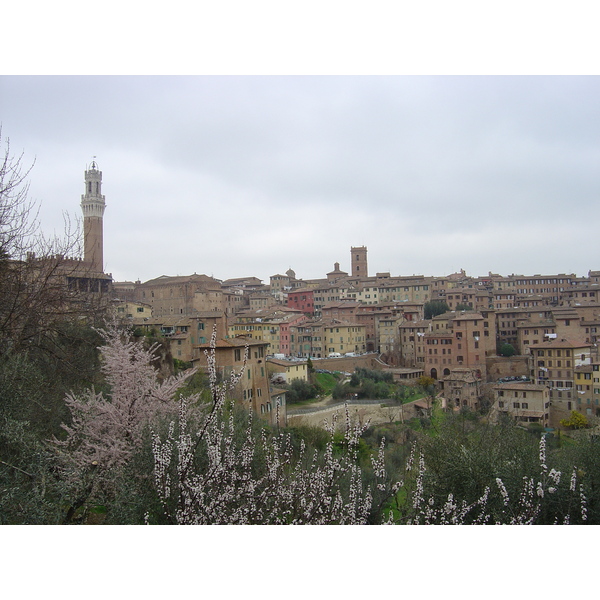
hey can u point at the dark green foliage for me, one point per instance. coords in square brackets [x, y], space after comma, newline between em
[435, 307]
[506, 350]
[33, 386]
[180, 365]
[300, 390]
[463, 307]
[372, 384]
[313, 437]
[374, 375]
[466, 456]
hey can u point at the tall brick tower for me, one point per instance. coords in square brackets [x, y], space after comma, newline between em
[359, 261]
[93, 205]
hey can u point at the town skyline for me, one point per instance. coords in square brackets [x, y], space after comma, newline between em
[252, 176]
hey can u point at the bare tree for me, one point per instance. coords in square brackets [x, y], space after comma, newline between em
[43, 280]
[18, 214]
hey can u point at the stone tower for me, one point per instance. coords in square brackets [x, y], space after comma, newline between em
[93, 205]
[359, 261]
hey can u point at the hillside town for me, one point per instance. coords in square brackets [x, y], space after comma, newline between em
[310, 394]
[526, 343]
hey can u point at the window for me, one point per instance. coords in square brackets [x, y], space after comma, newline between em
[516, 405]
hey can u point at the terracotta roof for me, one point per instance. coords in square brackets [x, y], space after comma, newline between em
[286, 363]
[521, 386]
[562, 343]
[239, 342]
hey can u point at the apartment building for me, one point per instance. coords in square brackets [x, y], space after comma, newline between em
[321, 338]
[462, 388]
[412, 342]
[183, 333]
[554, 365]
[587, 389]
[525, 402]
[306, 339]
[388, 336]
[302, 299]
[234, 302]
[253, 389]
[181, 295]
[581, 294]
[133, 310]
[325, 294]
[405, 289]
[461, 297]
[287, 370]
[462, 339]
[549, 287]
[261, 300]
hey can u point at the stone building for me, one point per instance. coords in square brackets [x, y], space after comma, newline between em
[182, 295]
[554, 365]
[462, 388]
[253, 390]
[525, 402]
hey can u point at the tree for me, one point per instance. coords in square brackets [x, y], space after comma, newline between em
[575, 421]
[506, 349]
[39, 287]
[107, 428]
[464, 307]
[18, 214]
[434, 308]
[299, 390]
[427, 385]
[209, 475]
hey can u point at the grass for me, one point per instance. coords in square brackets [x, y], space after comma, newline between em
[326, 381]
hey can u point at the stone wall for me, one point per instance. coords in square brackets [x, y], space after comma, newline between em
[348, 364]
[501, 366]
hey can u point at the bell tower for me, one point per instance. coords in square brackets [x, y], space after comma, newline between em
[93, 205]
[359, 261]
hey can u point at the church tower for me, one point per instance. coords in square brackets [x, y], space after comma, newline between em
[93, 205]
[359, 261]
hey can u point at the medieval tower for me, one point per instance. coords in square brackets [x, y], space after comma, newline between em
[359, 261]
[93, 205]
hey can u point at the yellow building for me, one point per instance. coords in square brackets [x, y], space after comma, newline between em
[587, 389]
[343, 337]
[133, 310]
[287, 370]
[268, 332]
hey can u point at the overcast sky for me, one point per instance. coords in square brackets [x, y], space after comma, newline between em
[236, 176]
